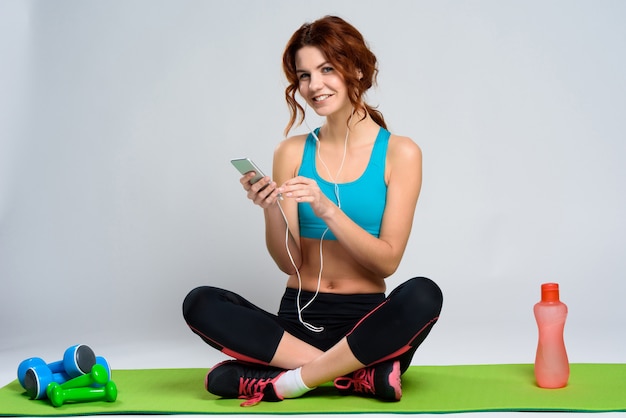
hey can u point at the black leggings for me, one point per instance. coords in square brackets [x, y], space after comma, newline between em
[377, 328]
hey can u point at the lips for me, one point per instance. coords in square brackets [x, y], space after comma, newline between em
[321, 97]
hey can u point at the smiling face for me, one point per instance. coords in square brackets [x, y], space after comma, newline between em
[319, 83]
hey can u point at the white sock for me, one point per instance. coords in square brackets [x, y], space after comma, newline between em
[290, 384]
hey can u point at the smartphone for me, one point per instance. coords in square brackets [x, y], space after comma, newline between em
[246, 165]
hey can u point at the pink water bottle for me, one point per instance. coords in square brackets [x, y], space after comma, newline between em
[551, 363]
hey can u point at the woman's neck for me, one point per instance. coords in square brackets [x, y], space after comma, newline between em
[336, 126]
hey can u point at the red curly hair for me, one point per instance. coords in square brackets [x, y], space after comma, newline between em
[345, 48]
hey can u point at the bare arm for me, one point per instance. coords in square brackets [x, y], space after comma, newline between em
[286, 158]
[264, 193]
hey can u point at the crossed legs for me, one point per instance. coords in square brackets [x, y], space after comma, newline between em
[393, 329]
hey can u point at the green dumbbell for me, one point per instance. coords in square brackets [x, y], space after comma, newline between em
[58, 395]
[98, 375]
[79, 388]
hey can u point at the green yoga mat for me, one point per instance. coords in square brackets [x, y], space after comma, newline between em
[426, 389]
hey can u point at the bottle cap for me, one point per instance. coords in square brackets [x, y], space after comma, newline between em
[550, 292]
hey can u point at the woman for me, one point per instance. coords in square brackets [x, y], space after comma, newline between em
[338, 214]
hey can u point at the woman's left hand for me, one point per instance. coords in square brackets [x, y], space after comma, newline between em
[304, 189]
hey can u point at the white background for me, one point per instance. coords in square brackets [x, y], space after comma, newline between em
[118, 120]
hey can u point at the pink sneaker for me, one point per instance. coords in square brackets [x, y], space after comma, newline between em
[380, 381]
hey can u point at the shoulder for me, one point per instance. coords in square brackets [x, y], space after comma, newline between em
[404, 165]
[403, 150]
[287, 156]
[290, 147]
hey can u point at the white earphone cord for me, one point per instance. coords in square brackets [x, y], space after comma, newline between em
[310, 327]
[307, 325]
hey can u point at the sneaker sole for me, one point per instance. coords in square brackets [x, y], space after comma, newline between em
[395, 381]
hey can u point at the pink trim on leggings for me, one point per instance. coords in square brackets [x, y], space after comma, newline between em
[230, 352]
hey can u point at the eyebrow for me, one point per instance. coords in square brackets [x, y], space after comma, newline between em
[324, 64]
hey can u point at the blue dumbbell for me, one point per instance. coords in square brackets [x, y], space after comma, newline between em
[38, 378]
[34, 374]
[77, 360]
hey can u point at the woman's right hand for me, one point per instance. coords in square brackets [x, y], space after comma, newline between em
[263, 193]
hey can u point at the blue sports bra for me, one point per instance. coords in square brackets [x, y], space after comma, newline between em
[362, 200]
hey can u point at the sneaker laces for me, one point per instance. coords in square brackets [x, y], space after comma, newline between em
[362, 381]
[252, 389]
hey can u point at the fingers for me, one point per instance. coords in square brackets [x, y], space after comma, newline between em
[263, 192]
[245, 180]
[302, 189]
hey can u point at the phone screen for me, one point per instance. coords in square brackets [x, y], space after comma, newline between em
[245, 165]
